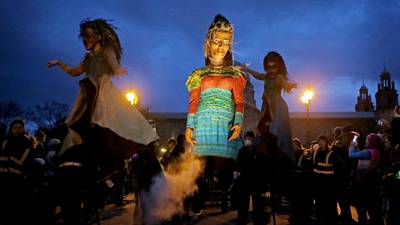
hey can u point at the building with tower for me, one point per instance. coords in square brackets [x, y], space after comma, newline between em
[364, 102]
[386, 96]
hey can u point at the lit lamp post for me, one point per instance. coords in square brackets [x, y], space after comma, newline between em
[306, 99]
[132, 97]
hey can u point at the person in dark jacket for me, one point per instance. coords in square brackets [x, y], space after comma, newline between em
[391, 181]
[301, 196]
[145, 168]
[340, 145]
[324, 167]
[174, 157]
[252, 181]
[15, 160]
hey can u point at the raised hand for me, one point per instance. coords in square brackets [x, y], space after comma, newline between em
[243, 66]
[52, 63]
[235, 132]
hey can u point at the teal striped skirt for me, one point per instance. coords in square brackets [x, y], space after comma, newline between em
[214, 119]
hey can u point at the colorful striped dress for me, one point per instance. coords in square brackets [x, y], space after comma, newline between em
[216, 103]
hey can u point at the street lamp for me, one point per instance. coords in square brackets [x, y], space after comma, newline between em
[132, 97]
[306, 99]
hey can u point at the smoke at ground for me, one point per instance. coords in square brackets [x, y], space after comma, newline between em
[166, 196]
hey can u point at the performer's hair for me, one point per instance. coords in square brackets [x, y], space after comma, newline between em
[109, 38]
[220, 23]
[278, 59]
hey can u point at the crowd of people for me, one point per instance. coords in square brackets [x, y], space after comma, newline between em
[337, 172]
[346, 170]
[342, 169]
[40, 187]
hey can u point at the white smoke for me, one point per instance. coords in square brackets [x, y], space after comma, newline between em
[169, 190]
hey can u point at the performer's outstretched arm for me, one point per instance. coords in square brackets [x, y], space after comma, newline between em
[255, 74]
[71, 71]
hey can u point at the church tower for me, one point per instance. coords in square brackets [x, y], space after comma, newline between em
[364, 102]
[386, 96]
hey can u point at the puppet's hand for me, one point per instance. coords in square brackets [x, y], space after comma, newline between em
[189, 136]
[243, 66]
[235, 132]
[52, 63]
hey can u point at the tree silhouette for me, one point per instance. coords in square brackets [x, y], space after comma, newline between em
[47, 116]
[9, 111]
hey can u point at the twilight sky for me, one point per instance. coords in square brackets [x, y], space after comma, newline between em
[331, 45]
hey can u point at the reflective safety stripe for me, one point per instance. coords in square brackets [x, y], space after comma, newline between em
[325, 168]
[3, 145]
[16, 171]
[22, 159]
[11, 170]
[324, 172]
[4, 158]
[327, 157]
[324, 164]
[298, 171]
[76, 164]
[300, 162]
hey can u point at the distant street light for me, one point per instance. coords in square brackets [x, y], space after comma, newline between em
[132, 98]
[306, 99]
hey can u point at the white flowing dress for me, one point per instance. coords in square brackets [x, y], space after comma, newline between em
[111, 109]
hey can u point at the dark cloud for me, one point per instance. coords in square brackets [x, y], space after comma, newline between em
[331, 45]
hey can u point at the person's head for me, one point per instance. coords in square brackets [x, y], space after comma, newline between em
[337, 132]
[323, 141]
[17, 128]
[218, 43]
[249, 138]
[274, 64]
[297, 144]
[373, 141]
[314, 146]
[100, 32]
[171, 143]
[40, 136]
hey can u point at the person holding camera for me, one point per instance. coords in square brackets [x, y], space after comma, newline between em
[368, 185]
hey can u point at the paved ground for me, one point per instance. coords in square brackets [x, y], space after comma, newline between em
[123, 215]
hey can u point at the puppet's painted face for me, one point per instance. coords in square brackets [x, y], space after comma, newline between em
[90, 38]
[219, 45]
[272, 67]
[17, 129]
